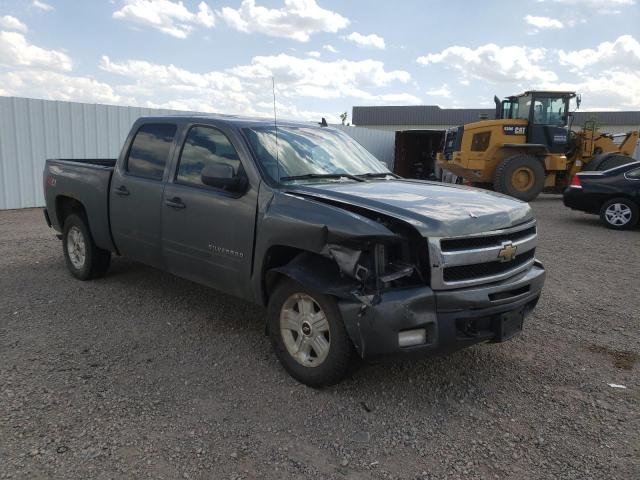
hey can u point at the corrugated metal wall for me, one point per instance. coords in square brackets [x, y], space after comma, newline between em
[379, 142]
[34, 130]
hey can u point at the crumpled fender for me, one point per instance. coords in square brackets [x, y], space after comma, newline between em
[302, 222]
[317, 273]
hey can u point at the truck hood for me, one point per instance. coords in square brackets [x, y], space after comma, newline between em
[434, 209]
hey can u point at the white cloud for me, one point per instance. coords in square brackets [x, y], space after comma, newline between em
[329, 48]
[321, 79]
[397, 99]
[608, 75]
[543, 22]
[148, 74]
[167, 16]
[15, 51]
[246, 89]
[12, 23]
[297, 19]
[42, 6]
[57, 86]
[622, 53]
[314, 54]
[605, 90]
[371, 40]
[493, 63]
[595, 3]
[602, 6]
[442, 91]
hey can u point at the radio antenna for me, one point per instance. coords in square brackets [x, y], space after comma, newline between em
[275, 124]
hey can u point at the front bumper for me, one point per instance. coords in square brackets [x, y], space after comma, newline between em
[453, 319]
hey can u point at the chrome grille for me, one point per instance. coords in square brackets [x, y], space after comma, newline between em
[483, 258]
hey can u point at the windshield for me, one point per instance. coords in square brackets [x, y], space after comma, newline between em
[549, 111]
[310, 151]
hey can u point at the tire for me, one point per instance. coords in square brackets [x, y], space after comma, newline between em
[613, 161]
[311, 333]
[83, 258]
[619, 214]
[606, 162]
[520, 176]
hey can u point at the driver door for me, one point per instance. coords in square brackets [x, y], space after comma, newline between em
[207, 232]
[547, 123]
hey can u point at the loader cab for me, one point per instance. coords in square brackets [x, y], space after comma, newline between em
[548, 117]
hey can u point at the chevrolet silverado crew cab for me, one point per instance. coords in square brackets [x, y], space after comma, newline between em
[348, 258]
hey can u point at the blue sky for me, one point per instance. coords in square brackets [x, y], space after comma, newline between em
[325, 55]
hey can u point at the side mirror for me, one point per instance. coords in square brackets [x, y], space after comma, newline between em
[221, 175]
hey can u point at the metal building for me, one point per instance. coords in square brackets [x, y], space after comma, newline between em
[34, 130]
[380, 143]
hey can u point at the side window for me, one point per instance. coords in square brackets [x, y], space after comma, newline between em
[150, 150]
[203, 147]
[634, 174]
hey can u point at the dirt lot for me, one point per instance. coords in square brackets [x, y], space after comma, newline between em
[141, 374]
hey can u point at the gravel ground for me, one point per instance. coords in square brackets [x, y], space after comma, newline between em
[141, 374]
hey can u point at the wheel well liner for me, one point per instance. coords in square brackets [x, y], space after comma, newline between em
[314, 271]
[66, 206]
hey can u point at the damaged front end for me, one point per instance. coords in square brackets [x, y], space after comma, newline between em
[377, 265]
[379, 270]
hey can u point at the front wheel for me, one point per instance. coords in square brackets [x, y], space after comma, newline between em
[84, 259]
[520, 176]
[619, 214]
[308, 335]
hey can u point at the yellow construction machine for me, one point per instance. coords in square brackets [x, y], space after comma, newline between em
[530, 146]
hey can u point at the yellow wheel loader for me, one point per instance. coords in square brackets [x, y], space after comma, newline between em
[530, 146]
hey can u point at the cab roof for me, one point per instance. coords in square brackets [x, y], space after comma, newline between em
[558, 93]
[232, 120]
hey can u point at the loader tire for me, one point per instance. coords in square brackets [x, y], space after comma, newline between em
[520, 176]
[613, 161]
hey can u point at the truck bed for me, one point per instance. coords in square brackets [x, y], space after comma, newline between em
[87, 182]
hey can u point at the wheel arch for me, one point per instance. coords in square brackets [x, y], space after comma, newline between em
[65, 206]
[313, 270]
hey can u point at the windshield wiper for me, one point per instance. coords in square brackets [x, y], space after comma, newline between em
[307, 176]
[377, 175]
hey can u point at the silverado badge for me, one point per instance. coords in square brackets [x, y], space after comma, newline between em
[507, 252]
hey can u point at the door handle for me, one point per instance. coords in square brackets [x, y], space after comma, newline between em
[122, 191]
[175, 202]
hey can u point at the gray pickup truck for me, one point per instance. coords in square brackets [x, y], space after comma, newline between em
[348, 258]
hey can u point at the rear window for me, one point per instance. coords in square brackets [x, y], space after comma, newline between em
[150, 150]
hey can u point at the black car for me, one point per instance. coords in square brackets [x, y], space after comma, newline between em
[613, 194]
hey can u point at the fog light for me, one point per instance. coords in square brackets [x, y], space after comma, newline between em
[410, 338]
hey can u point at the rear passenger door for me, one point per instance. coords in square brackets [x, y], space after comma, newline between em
[136, 193]
[207, 232]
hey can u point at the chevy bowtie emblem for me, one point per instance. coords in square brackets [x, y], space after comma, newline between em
[507, 252]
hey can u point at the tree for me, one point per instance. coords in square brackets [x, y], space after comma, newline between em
[343, 117]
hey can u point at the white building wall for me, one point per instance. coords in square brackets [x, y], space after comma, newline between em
[381, 144]
[33, 130]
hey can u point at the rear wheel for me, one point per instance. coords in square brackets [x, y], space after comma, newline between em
[619, 214]
[614, 161]
[308, 335]
[606, 162]
[520, 176]
[83, 258]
